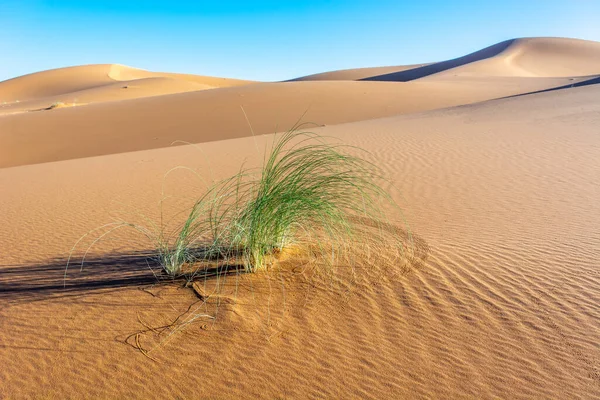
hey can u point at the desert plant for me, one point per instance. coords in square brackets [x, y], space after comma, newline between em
[310, 188]
[56, 104]
[309, 192]
[313, 198]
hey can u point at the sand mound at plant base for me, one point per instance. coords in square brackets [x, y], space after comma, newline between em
[503, 306]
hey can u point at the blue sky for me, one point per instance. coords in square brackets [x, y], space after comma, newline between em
[271, 40]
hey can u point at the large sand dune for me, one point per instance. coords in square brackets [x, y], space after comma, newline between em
[356, 74]
[64, 81]
[207, 115]
[82, 85]
[531, 57]
[500, 193]
[528, 57]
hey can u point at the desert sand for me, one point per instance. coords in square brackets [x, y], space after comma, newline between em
[494, 159]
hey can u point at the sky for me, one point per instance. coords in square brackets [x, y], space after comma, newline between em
[271, 40]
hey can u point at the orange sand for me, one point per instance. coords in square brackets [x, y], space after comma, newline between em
[499, 188]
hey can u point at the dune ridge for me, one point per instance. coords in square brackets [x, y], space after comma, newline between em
[355, 74]
[526, 57]
[209, 115]
[86, 84]
[523, 57]
[62, 81]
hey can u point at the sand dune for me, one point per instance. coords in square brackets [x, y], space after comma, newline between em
[97, 83]
[122, 90]
[126, 109]
[505, 304]
[527, 57]
[207, 115]
[530, 57]
[498, 186]
[54, 82]
[124, 73]
[355, 74]
[63, 81]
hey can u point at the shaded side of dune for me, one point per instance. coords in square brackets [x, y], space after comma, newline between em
[421, 72]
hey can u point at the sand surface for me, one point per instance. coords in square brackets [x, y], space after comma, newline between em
[499, 187]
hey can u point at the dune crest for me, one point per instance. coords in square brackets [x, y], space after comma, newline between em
[524, 57]
[356, 74]
[100, 83]
[538, 57]
[120, 72]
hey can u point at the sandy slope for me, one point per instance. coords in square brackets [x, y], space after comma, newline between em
[538, 57]
[501, 196]
[356, 74]
[95, 84]
[63, 81]
[505, 304]
[125, 109]
[206, 115]
[527, 57]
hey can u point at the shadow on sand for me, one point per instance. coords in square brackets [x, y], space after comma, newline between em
[588, 82]
[421, 72]
[106, 271]
[38, 281]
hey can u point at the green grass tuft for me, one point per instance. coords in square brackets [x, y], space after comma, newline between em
[309, 193]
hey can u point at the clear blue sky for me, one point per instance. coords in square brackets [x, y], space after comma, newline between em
[271, 40]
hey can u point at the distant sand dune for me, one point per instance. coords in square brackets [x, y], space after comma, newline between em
[112, 91]
[207, 115]
[356, 74]
[54, 82]
[65, 82]
[530, 57]
[124, 73]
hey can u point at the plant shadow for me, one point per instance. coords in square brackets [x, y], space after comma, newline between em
[34, 281]
[105, 271]
[114, 271]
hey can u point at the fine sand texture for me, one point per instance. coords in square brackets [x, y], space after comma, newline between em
[497, 177]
